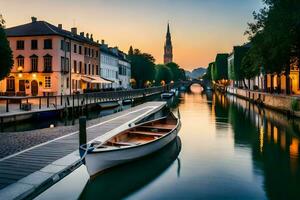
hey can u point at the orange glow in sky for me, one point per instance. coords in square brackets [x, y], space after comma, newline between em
[200, 28]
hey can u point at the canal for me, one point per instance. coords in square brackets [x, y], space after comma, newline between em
[228, 149]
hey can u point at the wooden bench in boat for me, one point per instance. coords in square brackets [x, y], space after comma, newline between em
[122, 143]
[160, 126]
[146, 133]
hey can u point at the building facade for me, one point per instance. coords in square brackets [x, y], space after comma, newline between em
[124, 71]
[168, 49]
[109, 66]
[50, 61]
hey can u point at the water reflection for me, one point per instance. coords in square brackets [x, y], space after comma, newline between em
[274, 140]
[121, 181]
[231, 150]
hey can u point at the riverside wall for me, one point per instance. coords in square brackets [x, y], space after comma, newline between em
[277, 102]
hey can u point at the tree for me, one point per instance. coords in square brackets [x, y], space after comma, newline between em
[175, 68]
[142, 67]
[6, 58]
[274, 35]
[207, 75]
[163, 74]
[130, 52]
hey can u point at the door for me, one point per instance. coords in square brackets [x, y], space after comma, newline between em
[34, 88]
[22, 86]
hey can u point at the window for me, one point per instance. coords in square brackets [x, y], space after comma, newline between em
[68, 46]
[47, 81]
[80, 50]
[85, 69]
[97, 70]
[20, 61]
[34, 63]
[47, 63]
[62, 45]
[89, 52]
[48, 44]
[75, 48]
[68, 82]
[85, 51]
[92, 52]
[75, 67]
[97, 54]
[34, 44]
[93, 69]
[89, 69]
[80, 67]
[10, 84]
[20, 45]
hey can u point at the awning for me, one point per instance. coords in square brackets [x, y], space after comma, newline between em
[94, 79]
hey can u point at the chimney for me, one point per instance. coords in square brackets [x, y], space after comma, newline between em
[33, 19]
[74, 30]
[92, 37]
[98, 41]
[87, 36]
[102, 42]
[82, 34]
[59, 26]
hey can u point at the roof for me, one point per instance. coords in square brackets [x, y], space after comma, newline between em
[104, 49]
[41, 28]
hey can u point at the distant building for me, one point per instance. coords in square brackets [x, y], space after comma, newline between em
[109, 65]
[124, 70]
[51, 60]
[168, 50]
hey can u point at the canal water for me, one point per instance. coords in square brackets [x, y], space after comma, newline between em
[227, 149]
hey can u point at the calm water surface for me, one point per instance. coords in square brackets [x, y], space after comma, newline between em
[228, 149]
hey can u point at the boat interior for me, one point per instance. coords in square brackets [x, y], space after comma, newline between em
[143, 133]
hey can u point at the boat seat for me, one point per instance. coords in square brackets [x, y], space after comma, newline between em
[146, 133]
[161, 127]
[123, 143]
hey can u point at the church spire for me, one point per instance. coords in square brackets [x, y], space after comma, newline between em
[168, 53]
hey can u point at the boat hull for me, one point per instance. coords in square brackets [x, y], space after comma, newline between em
[98, 162]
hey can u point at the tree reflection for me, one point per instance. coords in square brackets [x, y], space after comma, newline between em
[273, 139]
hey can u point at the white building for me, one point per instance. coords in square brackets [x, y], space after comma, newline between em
[109, 66]
[124, 71]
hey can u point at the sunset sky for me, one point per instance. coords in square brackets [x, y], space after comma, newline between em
[200, 28]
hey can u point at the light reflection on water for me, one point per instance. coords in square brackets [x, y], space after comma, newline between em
[230, 150]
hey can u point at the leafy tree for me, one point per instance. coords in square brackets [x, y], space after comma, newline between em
[130, 52]
[163, 73]
[220, 67]
[207, 75]
[6, 58]
[275, 36]
[142, 67]
[182, 75]
[175, 68]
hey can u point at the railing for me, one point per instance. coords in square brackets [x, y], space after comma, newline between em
[16, 103]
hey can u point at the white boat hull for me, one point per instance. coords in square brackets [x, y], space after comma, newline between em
[99, 161]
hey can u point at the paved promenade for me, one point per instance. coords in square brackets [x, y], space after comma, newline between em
[35, 158]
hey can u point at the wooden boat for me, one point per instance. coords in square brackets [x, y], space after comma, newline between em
[108, 104]
[131, 144]
[138, 174]
[167, 95]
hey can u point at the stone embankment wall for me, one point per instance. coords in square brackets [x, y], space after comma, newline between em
[274, 101]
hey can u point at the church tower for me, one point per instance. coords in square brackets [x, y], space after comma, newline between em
[168, 55]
